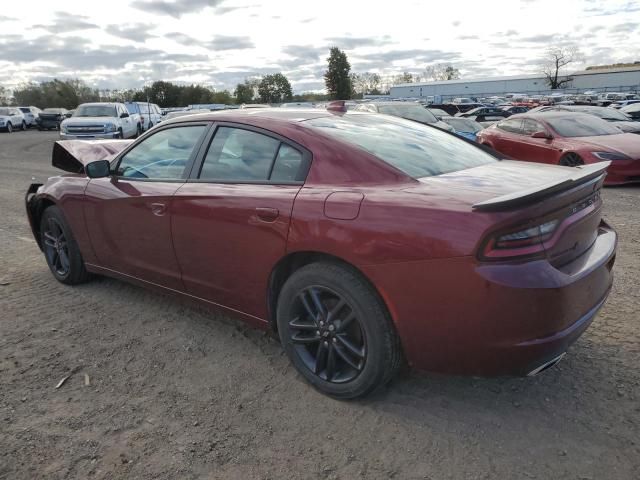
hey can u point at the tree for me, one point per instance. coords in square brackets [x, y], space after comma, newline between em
[274, 89]
[366, 83]
[404, 77]
[440, 72]
[4, 96]
[556, 59]
[337, 78]
[244, 93]
[56, 93]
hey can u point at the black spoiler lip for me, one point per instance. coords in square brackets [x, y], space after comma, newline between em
[581, 175]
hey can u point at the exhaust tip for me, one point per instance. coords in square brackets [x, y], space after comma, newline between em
[546, 365]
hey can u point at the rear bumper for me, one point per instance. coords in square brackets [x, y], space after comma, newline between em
[458, 316]
[622, 172]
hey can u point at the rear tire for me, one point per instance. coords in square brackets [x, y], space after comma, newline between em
[571, 160]
[24, 127]
[9, 128]
[336, 331]
[60, 248]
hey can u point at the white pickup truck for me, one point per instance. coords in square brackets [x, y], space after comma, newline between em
[99, 120]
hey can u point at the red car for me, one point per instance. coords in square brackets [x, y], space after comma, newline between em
[364, 240]
[569, 139]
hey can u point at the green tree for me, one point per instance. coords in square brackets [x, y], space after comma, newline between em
[275, 89]
[337, 78]
[56, 93]
[222, 97]
[244, 93]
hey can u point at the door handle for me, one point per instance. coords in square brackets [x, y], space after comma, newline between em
[267, 214]
[158, 209]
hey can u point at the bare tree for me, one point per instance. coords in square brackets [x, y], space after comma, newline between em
[556, 59]
[366, 82]
[440, 72]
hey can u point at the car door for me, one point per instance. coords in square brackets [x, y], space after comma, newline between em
[231, 220]
[536, 149]
[128, 215]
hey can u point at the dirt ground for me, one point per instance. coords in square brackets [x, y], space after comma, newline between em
[176, 392]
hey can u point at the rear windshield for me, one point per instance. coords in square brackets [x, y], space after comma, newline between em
[95, 111]
[410, 112]
[581, 126]
[605, 113]
[417, 150]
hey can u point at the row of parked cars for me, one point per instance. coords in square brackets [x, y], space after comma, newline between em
[89, 120]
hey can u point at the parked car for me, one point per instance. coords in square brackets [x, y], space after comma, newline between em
[51, 118]
[633, 111]
[620, 119]
[465, 127]
[409, 110]
[485, 116]
[180, 113]
[623, 103]
[11, 119]
[135, 115]
[438, 113]
[151, 114]
[30, 115]
[364, 240]
[100, 120]
[513, 109]
[567, 138]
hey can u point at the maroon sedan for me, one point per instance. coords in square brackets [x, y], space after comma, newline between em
[364, 240]
[570, 139]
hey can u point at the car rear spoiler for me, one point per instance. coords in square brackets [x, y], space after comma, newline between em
[575, 177]
[73, 155]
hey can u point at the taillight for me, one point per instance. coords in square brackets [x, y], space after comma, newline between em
[524, 242]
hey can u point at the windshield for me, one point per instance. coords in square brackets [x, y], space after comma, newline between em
[463, 124]
[438, 113]
[581, 126]
[4, 111]
[410, 112]
[52, 110]
[417, 150]
[25, 110]
[95, 111]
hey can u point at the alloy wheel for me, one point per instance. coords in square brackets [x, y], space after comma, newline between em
[56, 248]
[327, 335]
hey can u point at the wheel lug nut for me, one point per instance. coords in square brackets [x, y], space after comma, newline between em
[326, 344]
[322, 324]
[317, 332]
[334, 339]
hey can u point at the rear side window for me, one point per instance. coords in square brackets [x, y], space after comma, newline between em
[415, 149]
[242, 155]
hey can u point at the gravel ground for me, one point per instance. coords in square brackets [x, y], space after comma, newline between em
[178, 392]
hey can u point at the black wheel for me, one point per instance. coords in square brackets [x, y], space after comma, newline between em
[120, 134]
[24, 126]
[138, 131]
[336, 330]
[150, 125]
[60, 248]
[9, 127]
[571, 160]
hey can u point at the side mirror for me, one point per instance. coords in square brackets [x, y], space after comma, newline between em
[124, 115]
[541, 134]
[68, 114]
[98, 169]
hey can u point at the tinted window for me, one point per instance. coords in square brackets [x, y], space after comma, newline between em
[530, 127]
[581, 126]
[25, 110]
[288, 165]
[236, 154]
[163, 155]
[512, 126]
[415, 149]
[410, 112]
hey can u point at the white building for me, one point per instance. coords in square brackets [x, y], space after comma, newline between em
[611, 80]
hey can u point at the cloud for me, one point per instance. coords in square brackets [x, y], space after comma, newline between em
[4, 18]
[181, 38]
[468, 37]
[626, 27]
[175, 8]
[349, 43]
[230, 42]
[539, 38]
[138, 32]
[67, 22]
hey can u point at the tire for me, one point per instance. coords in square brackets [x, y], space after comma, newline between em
[571, 160]
[138, 131]
[150, 125]
[60, 248]
[120, 134]
[24, 127]
[9, 128]
[345, 352]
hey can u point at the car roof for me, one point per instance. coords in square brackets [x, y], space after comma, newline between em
[108, 104]
[245, 115]
[392, 103]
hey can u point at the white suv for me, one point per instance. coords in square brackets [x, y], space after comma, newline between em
[12, 119]
[99, 120]
[151, 114]
[30, 115]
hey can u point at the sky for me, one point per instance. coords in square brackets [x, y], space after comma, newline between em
[128, 44]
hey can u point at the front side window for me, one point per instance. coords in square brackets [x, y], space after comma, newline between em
[511, 126]
[237, 154]
[415, 149]
[529, 127]
[162, 156]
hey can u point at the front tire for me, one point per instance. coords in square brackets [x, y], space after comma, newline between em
[24, 127]
[60, 248]
[336, 331]
[9, 128]
[571, 160]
